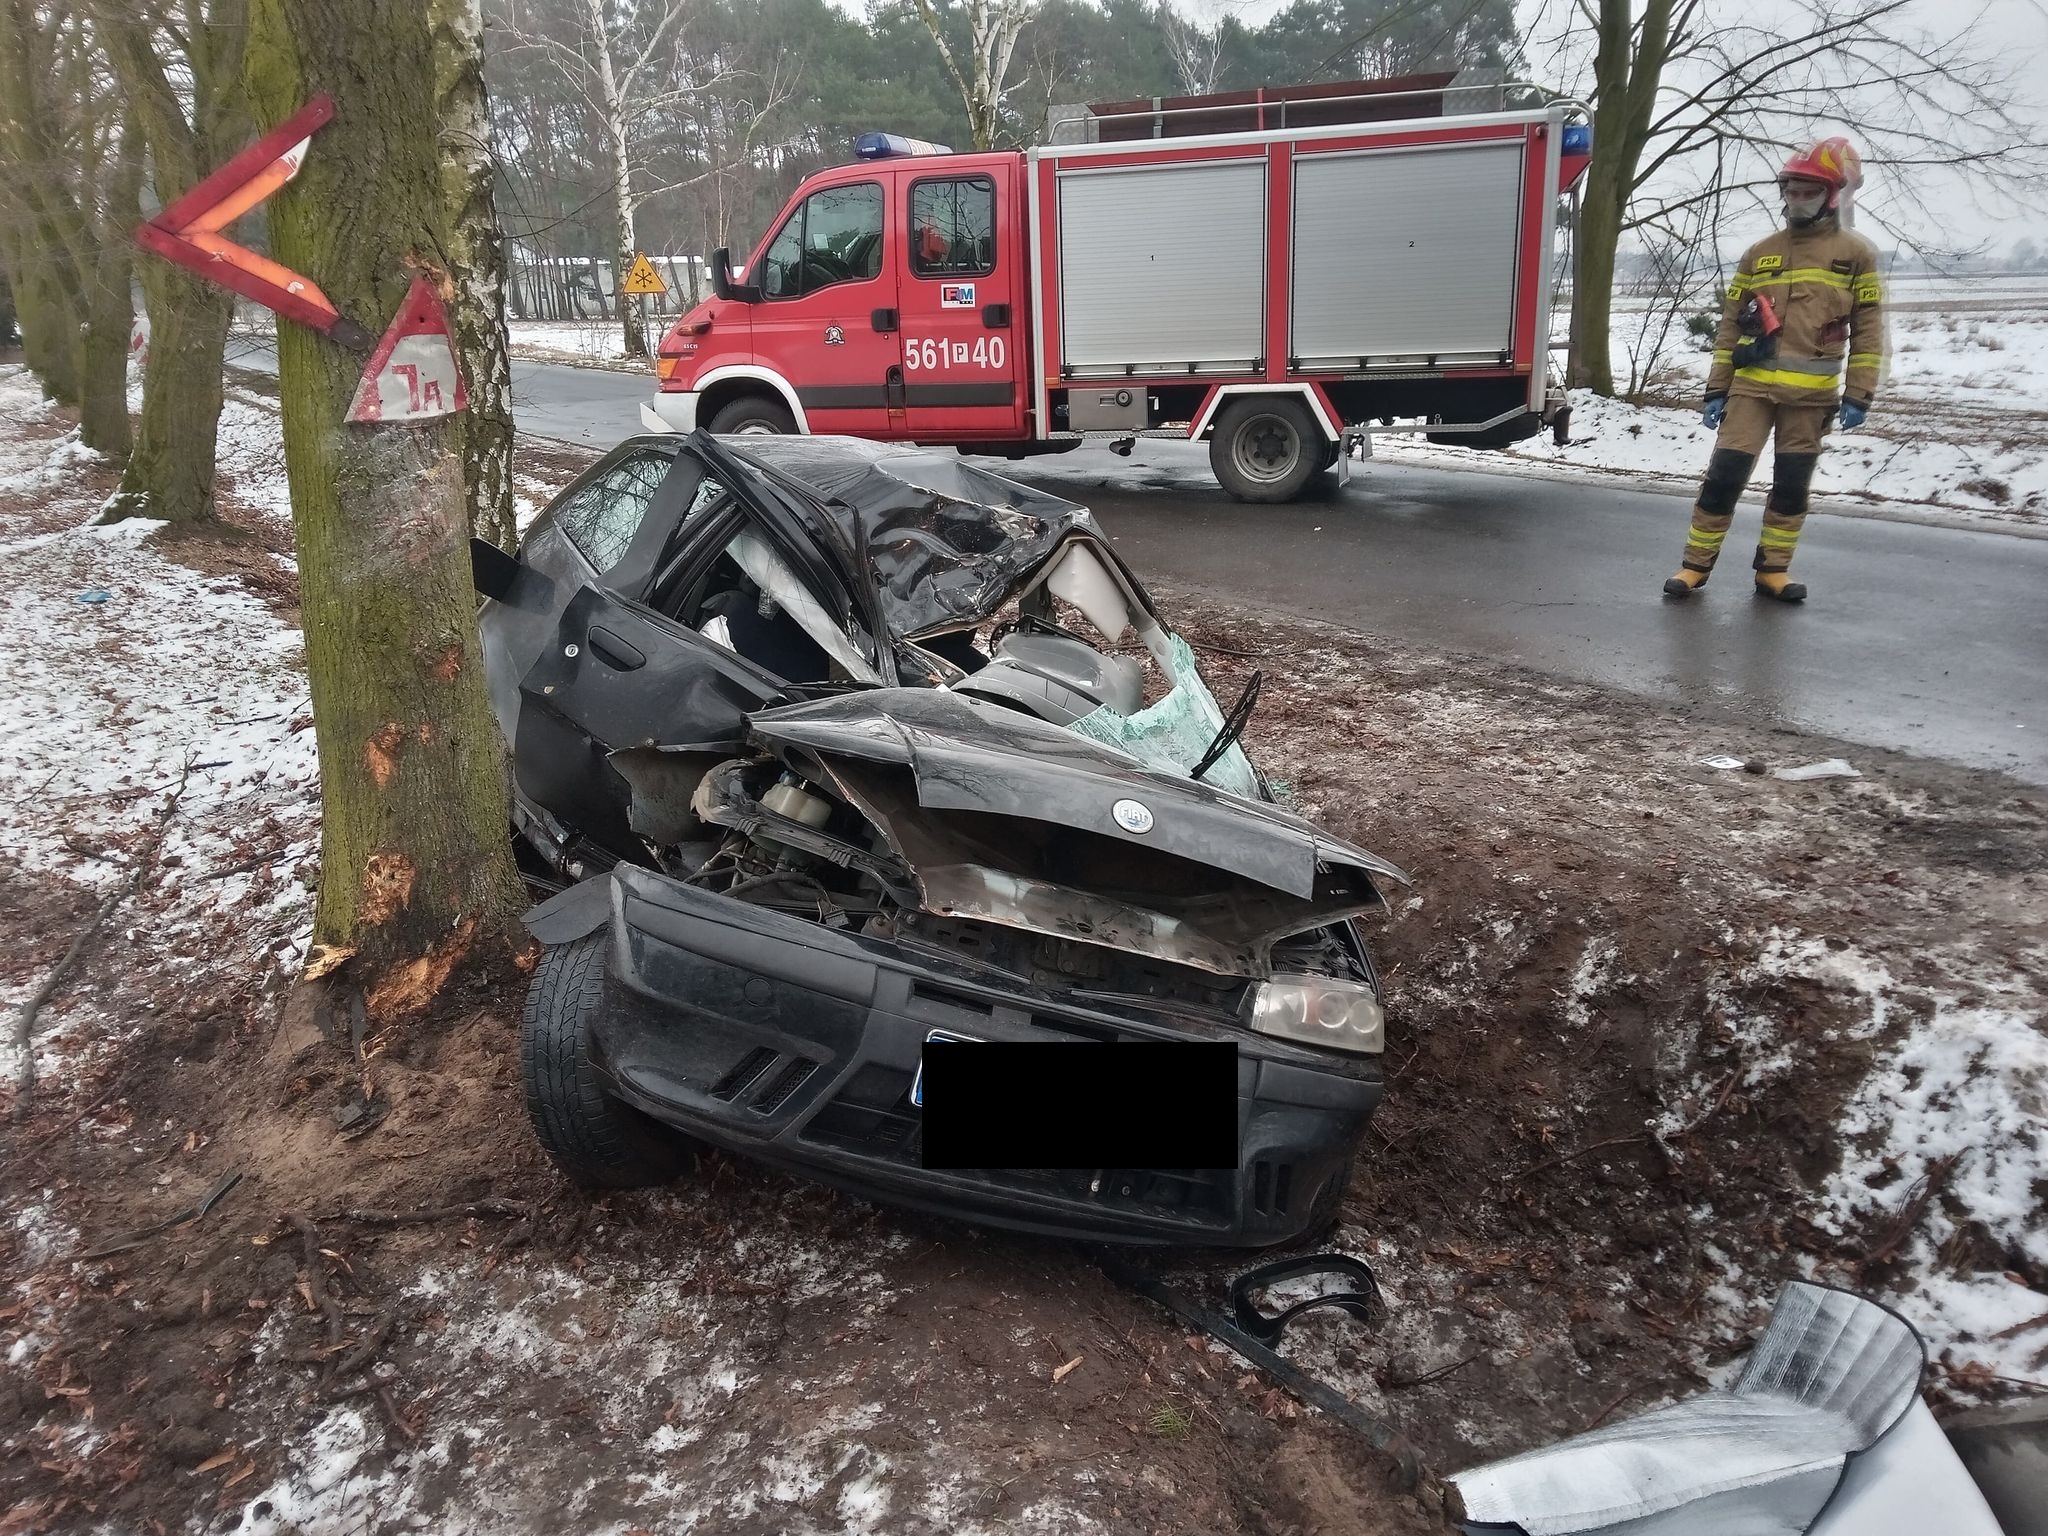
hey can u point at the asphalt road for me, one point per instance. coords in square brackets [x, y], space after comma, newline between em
[1930, 640]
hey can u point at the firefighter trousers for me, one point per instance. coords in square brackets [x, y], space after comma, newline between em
[1746, 427]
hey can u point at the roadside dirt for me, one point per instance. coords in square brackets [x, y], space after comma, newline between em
[1597, 929]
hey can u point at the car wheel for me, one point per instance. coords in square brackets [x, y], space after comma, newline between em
[1266, 448]
[592, 1137]
[751, 415]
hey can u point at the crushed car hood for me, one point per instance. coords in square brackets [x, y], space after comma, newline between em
[1005, 818]
[947, 543]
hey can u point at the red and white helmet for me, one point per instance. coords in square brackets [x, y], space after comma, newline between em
[1832, 162]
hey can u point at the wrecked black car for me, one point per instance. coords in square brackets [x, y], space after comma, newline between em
[830, 750]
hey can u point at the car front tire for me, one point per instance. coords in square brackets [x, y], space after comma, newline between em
[592, 1137]
[751, 414]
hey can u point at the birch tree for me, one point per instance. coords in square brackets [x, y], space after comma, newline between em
[992, 28]
[623, 59]
[1196, 51]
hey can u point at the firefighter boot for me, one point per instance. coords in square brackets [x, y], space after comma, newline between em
[1727, 473]
[1774, 584]
[1784, 516]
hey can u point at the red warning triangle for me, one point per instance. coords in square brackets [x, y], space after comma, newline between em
[412, 375]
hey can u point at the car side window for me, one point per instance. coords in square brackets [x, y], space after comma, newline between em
[953, 227]
[602, 516]
[835, 236]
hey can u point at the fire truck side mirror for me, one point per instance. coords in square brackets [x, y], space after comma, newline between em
[722, 283]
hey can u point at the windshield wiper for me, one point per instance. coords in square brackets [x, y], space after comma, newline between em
[1233, 725]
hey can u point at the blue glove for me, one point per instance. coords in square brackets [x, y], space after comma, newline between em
[1853, 415]
[1715, 408]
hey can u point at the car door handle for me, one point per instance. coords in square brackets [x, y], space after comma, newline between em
[614, 652]
[884, 320]
[995, 317]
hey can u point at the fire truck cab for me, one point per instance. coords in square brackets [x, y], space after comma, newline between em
[1273, 290]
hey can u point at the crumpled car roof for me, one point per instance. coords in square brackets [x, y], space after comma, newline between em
[947, 542]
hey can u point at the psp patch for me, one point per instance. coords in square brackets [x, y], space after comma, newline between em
[956, 295]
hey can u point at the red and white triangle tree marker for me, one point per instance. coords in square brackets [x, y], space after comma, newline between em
[412, 375]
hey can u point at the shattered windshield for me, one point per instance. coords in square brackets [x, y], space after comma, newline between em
[947, 543]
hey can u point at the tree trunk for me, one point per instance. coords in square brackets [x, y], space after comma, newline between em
[51, 329]
[1596, 241]
[476, 260]
[103, 422]
[170, 472]
[622, 209]
[415, 865]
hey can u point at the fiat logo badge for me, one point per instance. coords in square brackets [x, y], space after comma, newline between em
[1131, 816]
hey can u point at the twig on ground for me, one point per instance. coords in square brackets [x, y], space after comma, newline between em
[1570, 1157]
[1922, 1195]
[507, 1209]
[24, 1023]
[316, 1276]
[1613, 1403]
[2019, 1328]
[194, 1212]
[372, 1340]
[1402, 1383]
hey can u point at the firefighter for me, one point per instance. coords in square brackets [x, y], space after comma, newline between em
[1800, 346]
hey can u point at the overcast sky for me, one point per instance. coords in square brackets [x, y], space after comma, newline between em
[2013, 30]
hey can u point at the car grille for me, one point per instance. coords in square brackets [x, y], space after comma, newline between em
[748, 1081]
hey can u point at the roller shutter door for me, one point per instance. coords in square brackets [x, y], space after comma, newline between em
[1163, 267]
[1406, 254]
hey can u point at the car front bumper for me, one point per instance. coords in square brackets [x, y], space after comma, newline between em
[670, 412]
[797, 1044]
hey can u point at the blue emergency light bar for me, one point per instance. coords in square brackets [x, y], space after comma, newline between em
[1578, 139]
[890, 146]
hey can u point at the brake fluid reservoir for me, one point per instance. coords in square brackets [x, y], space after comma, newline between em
[791, 799]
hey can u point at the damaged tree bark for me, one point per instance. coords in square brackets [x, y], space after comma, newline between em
[416, 867]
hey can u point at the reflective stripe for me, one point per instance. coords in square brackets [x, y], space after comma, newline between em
[1778, 538]
[1724, 357]
[1703, 540]
[1865, 359]
[1820, 275]
[1786, 376]
[1826, 366]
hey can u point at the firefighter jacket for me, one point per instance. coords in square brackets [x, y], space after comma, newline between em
[1823, 283]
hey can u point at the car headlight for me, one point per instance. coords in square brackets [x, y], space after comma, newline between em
[1319, 1010]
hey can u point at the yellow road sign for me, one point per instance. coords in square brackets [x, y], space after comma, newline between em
[641, 276]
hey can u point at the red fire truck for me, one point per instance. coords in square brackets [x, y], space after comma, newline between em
[1272, 289]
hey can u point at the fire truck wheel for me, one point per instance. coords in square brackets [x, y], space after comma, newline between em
[1266, 448]
[752, 414]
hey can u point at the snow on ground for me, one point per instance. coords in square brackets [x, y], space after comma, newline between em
[1959, 423]
[600, 343]
[130, 671]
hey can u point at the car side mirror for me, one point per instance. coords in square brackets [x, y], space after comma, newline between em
[722, 283]
[491, 571]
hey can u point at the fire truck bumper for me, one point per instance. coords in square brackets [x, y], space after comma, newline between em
[670, 412]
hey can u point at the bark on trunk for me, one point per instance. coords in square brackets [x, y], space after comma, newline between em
[1597, 238]
[476, 259]
[170, 473]
[103, 422]
[628, 306]
[415, 860]
[51, 331]
[190, 127]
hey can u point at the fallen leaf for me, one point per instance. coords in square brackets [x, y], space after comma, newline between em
[247, 1469]
[1064, 1371]
[218, 1459]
